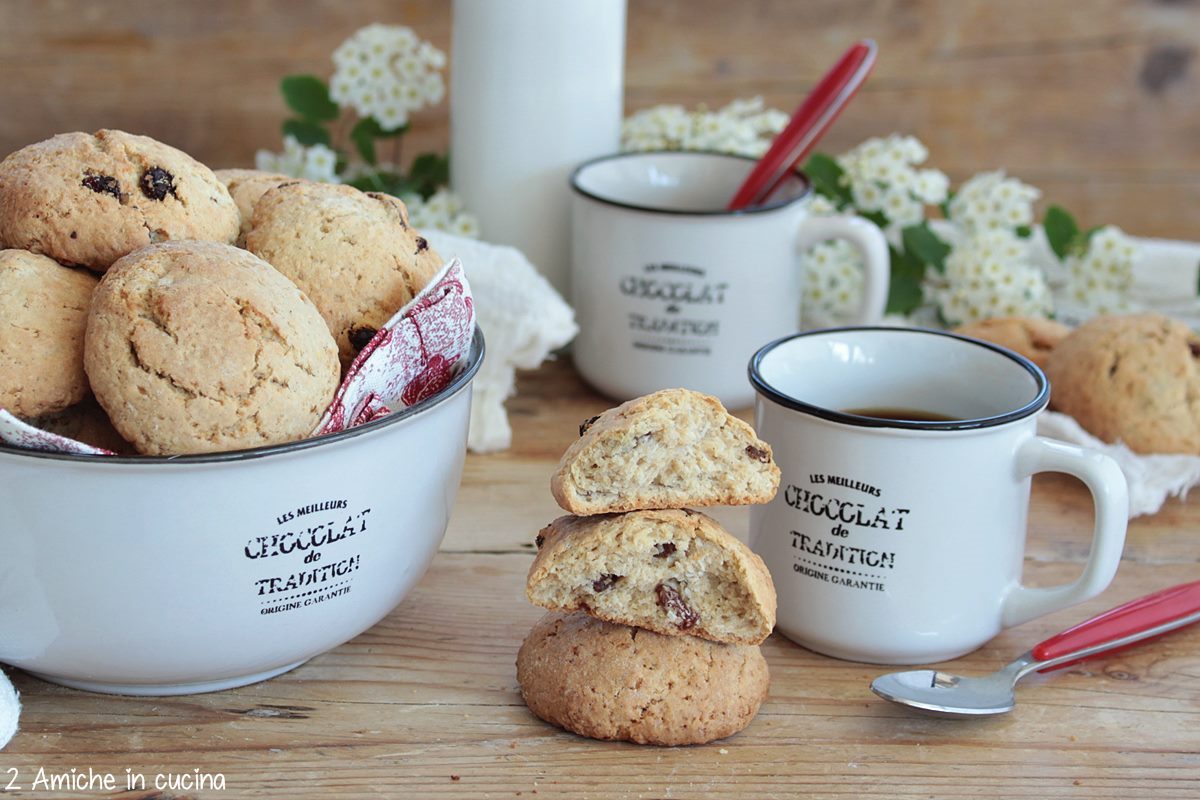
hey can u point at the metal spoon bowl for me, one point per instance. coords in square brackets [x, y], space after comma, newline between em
[943, 694]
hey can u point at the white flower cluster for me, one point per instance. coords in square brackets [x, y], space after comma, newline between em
[443, 211]
[833, 283]
[744, 127]
[989, 274]
[990, 201]
[1098, 280]
[882, 176]
[315, 163]
[386, 72]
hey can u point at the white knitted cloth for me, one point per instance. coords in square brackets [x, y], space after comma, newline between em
[10, 710]
[523, 321]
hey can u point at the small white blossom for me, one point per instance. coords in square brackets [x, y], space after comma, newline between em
[387, 72]
[882, 176]
[989, 275]
[1098, 279]
[315, 163]
[992, 201]
[744, 127]
[821, 206]
[930, 186]
[901, 208]
[443, 211]
[833, 282]
[833, 275]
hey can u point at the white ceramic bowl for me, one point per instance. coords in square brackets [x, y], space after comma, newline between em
[157, 576]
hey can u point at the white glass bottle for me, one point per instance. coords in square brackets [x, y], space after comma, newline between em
[536, 88]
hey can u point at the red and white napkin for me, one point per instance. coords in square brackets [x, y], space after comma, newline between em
[413, 356]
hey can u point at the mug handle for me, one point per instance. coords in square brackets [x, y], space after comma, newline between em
[1110, 496]
[870, 241]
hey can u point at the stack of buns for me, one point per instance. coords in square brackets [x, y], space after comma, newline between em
[656, 612]
[202, 311]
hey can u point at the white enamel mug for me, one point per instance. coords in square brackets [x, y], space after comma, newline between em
[898, 541]
[670, 289]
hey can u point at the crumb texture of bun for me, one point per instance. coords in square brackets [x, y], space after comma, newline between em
[671, 449]
[676, 572]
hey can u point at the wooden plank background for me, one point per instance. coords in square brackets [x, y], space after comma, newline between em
[1094, 102]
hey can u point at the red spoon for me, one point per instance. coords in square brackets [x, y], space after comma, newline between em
[807, 126]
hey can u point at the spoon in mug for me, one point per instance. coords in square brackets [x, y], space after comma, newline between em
[807, 125]
[943, 694]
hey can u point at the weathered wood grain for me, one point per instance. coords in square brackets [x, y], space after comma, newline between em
[1095, 103]
[425, 704]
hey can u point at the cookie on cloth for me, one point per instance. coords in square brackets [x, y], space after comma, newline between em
[246, 186]
[90, 199]
[1131, 378]
[672, 571]
[43, 315]
[670, 449]
[611, 681]
[197, 347]
[352, 252]
[1033, 337]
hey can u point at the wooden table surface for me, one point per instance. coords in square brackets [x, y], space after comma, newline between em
[425, 704]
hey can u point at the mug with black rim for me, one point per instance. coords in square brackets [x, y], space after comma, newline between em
[898, 533]
[671, 289]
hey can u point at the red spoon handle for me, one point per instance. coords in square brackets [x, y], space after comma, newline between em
[809, 121]
[1133, 617]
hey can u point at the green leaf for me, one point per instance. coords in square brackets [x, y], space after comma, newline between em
[429, 171]
[1198, 280]
[904, 288]
[1089, 233]
[308, 96]
[400, 186]
[923, 243]
[1024, 231]
[306, 132]
[878, 217]
[1061, 230]
[825, 175]
[371, 182]
[363, 134]
[904, 295]
[382, 134]
[945, 205]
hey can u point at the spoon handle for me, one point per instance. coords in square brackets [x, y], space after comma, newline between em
[1135, 621]
[807, 125]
